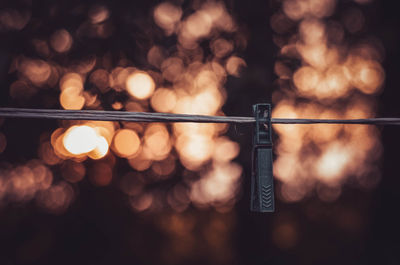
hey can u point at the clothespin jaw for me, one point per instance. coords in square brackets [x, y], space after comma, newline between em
[262, 186]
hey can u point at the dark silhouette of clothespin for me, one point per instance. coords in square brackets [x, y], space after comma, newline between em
[262, 186]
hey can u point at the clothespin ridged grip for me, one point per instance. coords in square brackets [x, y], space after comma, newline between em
[262, 186]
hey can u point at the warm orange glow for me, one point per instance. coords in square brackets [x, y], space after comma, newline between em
[37, 71]
[156, 56]
[140, 85]
[23, 182]
[234, 65]
[61, 41]
[47, 154]
[11, 19]
[141, 161]
[191, 74]
[71, 80]
[163, 100]
[80, 140]
[331, 165]
[100, 78]
[225, 150]
[21, 90]
[101, 148]
[142, 202]
[98, 14]
[221, 47]
[172, 68]
[157, 143]
[368, 76]
[57, 198]
[71, 97]
[126, 143]
[218, 185]
[166, 16]
[194, 150]
[298, 9]
[322, 157]
[209, 16]
[306, 80]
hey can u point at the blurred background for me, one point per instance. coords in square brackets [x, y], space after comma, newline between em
[135, 193]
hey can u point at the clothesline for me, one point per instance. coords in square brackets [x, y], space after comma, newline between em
[101, 115]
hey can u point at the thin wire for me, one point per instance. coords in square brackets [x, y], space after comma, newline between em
[101, 115]
[372, 121]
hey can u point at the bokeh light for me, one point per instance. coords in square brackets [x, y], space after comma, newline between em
[126, 143]
[61, 41]
[180, 75]
[140, 85]
[335, 79]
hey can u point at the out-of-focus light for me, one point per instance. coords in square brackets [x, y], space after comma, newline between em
[98, 14]
[71, 97]
[330, 167]
[225, 150]
[46, 153]
[157, 142]
[37, 71]
[142, 202]
[140, 85]
[194, 78]
[80, 140]
[298, 9]
[73, 171]
[234, 65]
[156, 56]
[61, 41]
[11, 19]
[164, 167]
[166, 16]
[132, 183]
[198, 25]
[101, 148]
[221, 47]
[306, 80]
[194, 149]
[126, 142]
[369, 76]
[22, 91]
[163, 100]
[100, 78]
[172, 68]
[57, 198]
[321, 157]
[218, 185]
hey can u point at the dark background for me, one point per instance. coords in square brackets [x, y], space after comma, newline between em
[99, 228]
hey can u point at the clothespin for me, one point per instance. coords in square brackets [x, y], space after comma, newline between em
[262, 186]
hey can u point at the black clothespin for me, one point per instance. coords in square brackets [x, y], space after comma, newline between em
[262, 186]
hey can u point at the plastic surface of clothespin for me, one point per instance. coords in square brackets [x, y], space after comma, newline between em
[262, 186]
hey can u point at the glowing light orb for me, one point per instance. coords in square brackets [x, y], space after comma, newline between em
[80, 140]
[140, 85]
[126, 142]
